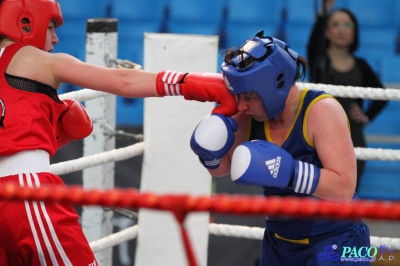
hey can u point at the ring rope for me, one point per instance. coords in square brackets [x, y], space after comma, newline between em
[377, 154]
[83, 95]
[137, 149]
[354, 92]
[225, 204]
[238, 231]
[257, 233]
[334, 90]
[181, 205]
[114, 239]
[97, 159]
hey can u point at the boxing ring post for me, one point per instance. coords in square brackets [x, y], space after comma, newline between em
[169, 165]
[101, 41]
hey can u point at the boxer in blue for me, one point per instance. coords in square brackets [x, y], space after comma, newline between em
[292, 142]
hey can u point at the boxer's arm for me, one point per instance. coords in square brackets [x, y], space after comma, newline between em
[332, 141]
[138, 83]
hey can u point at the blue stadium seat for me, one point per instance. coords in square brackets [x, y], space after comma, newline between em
[390, 70]
[75, 14]
[128, 31]
[132, 51]
[72, 38]
[193, 28]
[75, 47]
[301, 13]
[138, 10]
[297, 38]
[380, 181]
[237, 34]
[339, 4]
[375, 13]
[205, 11]
[378, 38]
[387, 122]
[131, 38]
[83, 9]
[376, 44]
[129, 112]
[265, 13]
[246, 18]
[72, 28]
[195, 17]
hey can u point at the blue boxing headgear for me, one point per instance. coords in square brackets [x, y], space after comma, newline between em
[264, 65]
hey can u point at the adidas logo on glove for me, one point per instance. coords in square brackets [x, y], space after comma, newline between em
[273, 166]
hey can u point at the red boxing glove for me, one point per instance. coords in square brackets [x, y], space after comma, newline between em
[73, 124]
[202, 87]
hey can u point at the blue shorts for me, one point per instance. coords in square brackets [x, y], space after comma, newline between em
[349, 247]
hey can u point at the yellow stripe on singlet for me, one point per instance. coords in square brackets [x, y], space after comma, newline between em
[296, 241]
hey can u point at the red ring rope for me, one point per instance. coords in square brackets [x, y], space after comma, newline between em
[222, 203]
[181, 205]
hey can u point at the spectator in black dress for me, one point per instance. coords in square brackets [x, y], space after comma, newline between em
[330, 51]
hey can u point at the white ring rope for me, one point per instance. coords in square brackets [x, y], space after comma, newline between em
[258, 233]
[114, 239]
[239, 231]
[97, 159]
[355, 92]
[377, 154]
[334, 90]
[138, 149]
[83, 95]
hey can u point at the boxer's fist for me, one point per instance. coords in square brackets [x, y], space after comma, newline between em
[265, 164]
[212, 139]
[261, 163]
[202, 87]
[73, 124]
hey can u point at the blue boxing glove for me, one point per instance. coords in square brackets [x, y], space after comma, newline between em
[265, 164]
[212, 139]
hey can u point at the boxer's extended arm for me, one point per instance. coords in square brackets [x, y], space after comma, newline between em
[139, 83]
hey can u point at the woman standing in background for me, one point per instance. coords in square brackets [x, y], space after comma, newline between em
[330, 50]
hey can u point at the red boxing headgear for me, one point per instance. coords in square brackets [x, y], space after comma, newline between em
[26, 21]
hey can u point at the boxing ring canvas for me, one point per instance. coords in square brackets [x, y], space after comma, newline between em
[169, 165]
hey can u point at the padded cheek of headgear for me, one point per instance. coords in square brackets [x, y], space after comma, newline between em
[271, 92]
